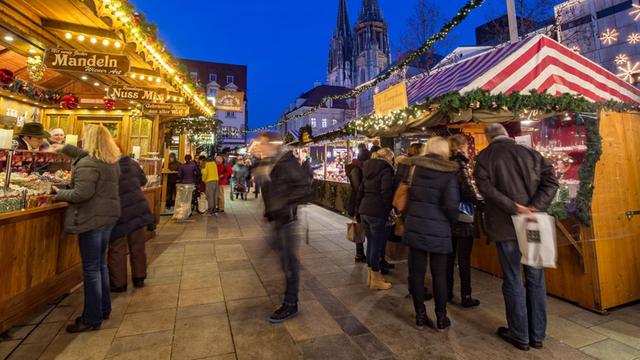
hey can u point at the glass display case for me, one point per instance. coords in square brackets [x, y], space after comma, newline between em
[152, 167]
[330, 160]
[30, 177]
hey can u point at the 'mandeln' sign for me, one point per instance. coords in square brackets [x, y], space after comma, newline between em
[86, 62]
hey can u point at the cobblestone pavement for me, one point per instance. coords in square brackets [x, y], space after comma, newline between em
[213, 282]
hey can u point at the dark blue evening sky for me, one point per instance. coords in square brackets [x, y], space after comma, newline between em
[284, 43]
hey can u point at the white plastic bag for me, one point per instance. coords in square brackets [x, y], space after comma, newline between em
[537, 240]
[203, 204]
[184, 193]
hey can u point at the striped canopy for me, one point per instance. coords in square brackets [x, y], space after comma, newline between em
[538, 63]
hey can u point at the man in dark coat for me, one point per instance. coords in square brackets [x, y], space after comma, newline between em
[514, 179]
[129, 232]
[285, 186]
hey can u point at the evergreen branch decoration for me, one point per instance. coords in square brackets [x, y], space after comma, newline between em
[192, 127]
[33, 92]
[345, 196]
[415, 55]
[587, 171]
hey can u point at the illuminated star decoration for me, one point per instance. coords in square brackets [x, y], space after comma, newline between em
[575, 48]
[621, 59]
[634, 38]
[610, 36]
[635, 12]
[627, 73]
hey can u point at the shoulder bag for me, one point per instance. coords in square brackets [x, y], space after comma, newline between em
[401, 196]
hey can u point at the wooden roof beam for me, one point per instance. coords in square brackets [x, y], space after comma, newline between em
[82, 29]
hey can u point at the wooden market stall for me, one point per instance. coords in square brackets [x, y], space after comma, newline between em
[67, 64]
[583, 119]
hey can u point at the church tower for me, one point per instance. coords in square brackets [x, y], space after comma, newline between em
[340, 70]
[372, 51]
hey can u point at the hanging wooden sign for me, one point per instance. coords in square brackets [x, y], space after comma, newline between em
[231, 101]
[86, 62]
[152, 109]
[392, 99]
[136, 93]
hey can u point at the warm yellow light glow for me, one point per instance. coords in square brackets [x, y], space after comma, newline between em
[96, 84]
[157, 80]
[150, 78]
[93, 40]
[141, 77]
[32, 51]
[133, 76]
[68, 35]
[84, 77]
[81, 38]
[105, 42]
[117, 44]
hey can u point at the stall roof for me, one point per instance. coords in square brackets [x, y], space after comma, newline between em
[539, 63]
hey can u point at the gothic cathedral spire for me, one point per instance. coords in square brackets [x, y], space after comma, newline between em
[372, 50]
[370, 11]
[341, 50]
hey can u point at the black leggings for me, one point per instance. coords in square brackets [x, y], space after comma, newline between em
[462, 247]
[418, 261]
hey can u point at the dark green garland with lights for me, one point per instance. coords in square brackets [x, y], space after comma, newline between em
[192, 127]
[587, 171]
[32, 92]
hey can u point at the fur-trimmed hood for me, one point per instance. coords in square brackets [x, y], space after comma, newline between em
[403, 160]
[434, 163]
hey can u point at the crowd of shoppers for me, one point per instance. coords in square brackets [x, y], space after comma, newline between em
[438, 223]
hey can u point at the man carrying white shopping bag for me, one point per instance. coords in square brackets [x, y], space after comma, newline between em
[514, 179]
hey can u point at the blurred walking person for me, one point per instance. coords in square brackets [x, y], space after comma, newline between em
[354, 174]
[433, 208]
[462, 232]
[284, 187]
[375, 196]
[514, 179]
[94, 208]
[128, 235]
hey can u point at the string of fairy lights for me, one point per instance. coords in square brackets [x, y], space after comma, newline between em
[415, 55]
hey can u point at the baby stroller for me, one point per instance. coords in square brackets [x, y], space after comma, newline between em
[239, 189]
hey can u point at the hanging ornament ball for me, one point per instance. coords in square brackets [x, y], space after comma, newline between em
[36, 68]
[69, 102]
[6, 76]
[109, 103]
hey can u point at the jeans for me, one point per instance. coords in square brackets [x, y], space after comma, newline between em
[526, 306]
[376, 231]
[462, 247]
[171, 192]
[212, 195]
[285, 242]
[97, 293]
[418, 261]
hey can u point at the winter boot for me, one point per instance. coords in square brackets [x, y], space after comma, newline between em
[378, 282]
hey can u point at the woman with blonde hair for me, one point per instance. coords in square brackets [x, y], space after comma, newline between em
[94, 208]
[375, 196]
[433, 208]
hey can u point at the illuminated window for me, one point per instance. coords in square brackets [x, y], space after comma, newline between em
[230, 79]
[324, 123]
[314, 123]
[213, 77]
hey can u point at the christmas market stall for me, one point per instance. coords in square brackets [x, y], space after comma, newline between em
[64, 65]
[581, 117]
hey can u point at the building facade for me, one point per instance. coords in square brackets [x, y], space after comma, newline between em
[214, 77]
[358, 56]
[607, 32]
[328, 118]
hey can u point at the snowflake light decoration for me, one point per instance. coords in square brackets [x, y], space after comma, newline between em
[621, 59]
[627, 73]
[635, 12]
[575, 48]
[610, 36]
[634, 38]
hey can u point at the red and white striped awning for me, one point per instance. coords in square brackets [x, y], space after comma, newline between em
[539, 63]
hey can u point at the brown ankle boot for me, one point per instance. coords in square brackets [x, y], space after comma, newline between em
[378, 282]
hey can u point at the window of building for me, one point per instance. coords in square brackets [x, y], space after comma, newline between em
[141, 134]
[194, 75]
[213, 77]
[614, 9]
[230, 79]
[575, 23]
[324, 123]
[314, 123]
[334, 122]
[231, 115]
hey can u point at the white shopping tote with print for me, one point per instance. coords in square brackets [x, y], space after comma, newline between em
[537, 239]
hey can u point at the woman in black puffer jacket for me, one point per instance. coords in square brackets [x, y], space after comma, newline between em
[433, 207]
[462, 232]
[375, 197]
[130, 229]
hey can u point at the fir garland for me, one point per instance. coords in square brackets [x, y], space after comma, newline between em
[333, 194]
[587, 171]
[33, 92]
[345, 196]
[192, 127]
